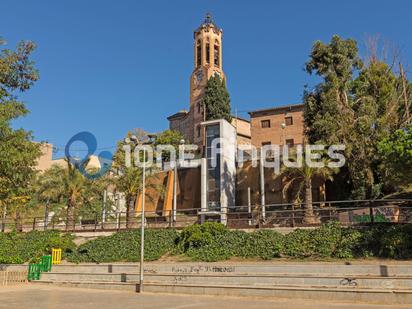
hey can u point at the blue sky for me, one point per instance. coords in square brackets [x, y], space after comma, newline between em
[110, 66]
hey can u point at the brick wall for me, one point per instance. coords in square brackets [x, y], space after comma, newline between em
[266, 125]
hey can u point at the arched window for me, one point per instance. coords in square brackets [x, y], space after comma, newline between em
[216, 53]
[207, 52]
[199, 53]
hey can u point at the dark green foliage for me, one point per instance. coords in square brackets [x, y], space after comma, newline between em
[205, 242]
[125, 246]
[216, 99]
[387, 241]
[266, 244]
[299, 244]
[358, 106]
[330, 240]
[18, 248]
[214, 242]
[396, 151]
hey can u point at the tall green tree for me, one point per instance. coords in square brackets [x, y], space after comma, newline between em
[396, 151]
[356, 105]
[18, 152]
[169, 137]
[216, 99]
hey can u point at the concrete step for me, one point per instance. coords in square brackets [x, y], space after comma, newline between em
[121, 286]
[314, 293]
[381, 296]
[361, 281]
[383, 270]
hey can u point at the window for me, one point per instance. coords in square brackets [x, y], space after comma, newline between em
[199, 53]
[216, 55]
[198, 131]
[266, 143]
[290, 142]
[289, 121]
[207, 53]
[265, 123]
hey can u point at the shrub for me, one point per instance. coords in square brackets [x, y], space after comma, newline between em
[205, 242]
[299, 244]
[214, 242]
[389, 241]
[330, 240]
[16, 248]
[125, 246]
[266, 244]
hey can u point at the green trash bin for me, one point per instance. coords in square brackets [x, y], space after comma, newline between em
[34, 272]
[46, 263]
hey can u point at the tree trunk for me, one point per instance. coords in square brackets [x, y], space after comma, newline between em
[309, 217]
[130, 213]
[19, 225]
[3, 218]
[70, 216]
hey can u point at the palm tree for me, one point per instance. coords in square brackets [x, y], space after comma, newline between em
[67, 186]
[130, 183]
[299, 181]
[129, 179]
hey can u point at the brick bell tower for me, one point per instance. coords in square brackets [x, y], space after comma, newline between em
[207, 62]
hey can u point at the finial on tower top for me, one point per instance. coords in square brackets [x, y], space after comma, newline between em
[208, 19]
[208, 22]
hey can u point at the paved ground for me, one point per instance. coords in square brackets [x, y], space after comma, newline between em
[46, 297]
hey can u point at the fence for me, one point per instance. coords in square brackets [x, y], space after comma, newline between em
[355, 212]
[13, 277]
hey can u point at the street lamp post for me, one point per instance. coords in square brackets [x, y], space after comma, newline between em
[141, 272]
[142, 225]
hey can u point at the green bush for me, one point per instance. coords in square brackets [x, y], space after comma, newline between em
[328, 241]
[266, 244]
[125, 246]
[205, 242]
[299, 244]
[211, 242]
[16, 248]
[388, 241]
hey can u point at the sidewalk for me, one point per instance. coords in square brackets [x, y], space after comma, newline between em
[22, 297]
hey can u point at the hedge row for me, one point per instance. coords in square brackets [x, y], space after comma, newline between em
[17, 248]
[125, 246]
[214, 242]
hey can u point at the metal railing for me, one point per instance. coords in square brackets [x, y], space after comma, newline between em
[354, 212]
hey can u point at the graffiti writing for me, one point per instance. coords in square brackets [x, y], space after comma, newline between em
[201, 269]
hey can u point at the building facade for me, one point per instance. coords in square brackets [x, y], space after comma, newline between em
[281, 125]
